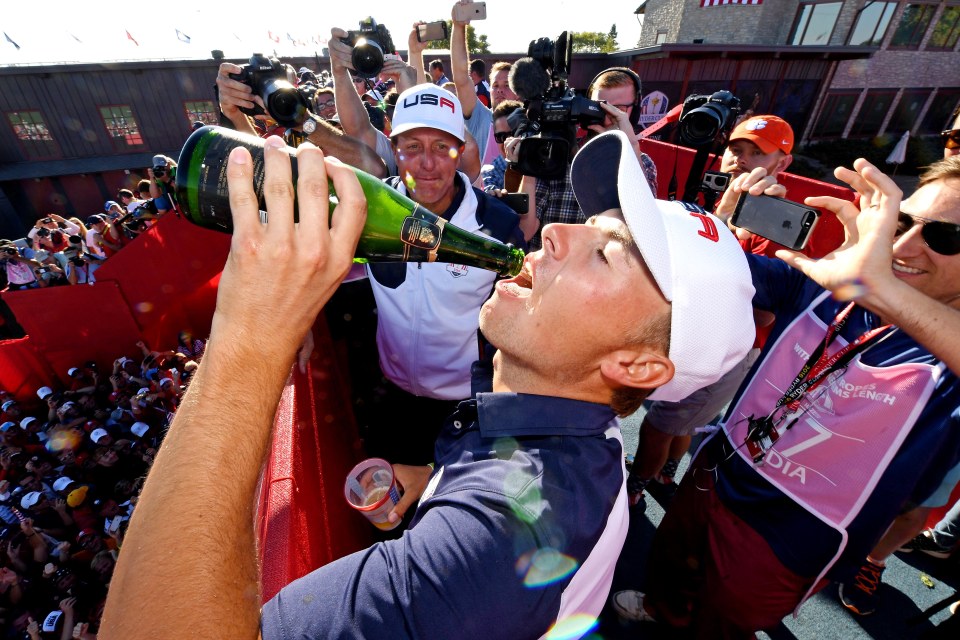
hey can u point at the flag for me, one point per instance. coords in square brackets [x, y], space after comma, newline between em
[182, 37]
[714, 3]
[132, 39]
[899, 153]
[273, 37]
[10, 40]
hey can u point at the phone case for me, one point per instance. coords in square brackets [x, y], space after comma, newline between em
[787, 223]
[471, 11]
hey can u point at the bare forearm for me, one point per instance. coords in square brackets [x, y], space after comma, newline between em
[466, 92]
[931, 323]
[529, 223]
[211, 456]
[348, 149]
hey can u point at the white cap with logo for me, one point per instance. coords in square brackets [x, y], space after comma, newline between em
[427, 105]
[694, 258]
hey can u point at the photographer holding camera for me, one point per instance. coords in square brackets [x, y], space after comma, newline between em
[163, 176]
[547, 138]
[240, 91]
[21, 272]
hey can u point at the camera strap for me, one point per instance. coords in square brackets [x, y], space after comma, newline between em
[819, 365]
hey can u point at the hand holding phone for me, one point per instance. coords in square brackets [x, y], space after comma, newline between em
[782, 221]
[427, 31]
[470, 11]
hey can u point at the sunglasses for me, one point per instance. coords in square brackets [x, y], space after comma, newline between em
[942, 237]
[951, 138]
[501, 136]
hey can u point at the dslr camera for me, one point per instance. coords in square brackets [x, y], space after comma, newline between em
[548, 131]
[370, 44]
[268, 79]
[703, 118]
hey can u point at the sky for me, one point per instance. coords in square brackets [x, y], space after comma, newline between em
[52, 31]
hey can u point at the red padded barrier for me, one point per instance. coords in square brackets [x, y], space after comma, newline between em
[70, 325]
[23, 370]
[666, 155]
[304, 519]
[163, 267]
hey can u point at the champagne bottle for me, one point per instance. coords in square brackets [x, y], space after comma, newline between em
[397, 228]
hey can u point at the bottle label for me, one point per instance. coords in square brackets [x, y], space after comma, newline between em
[420, 233]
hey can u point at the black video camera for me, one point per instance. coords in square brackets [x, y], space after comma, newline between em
[703, 118]
[370, 44]
[268, 79]
[147, 206]
[548, 133]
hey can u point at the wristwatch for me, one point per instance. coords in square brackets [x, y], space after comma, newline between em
[309, 125]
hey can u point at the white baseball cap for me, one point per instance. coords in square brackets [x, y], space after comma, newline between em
[695, 260]
[61, 483]
[43, 392]
[98, 434]
[139, 428]
[427, 105]
[72, 370]
[30, 499]
[26, 422]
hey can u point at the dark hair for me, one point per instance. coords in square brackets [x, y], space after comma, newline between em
[125, 193]
[505, 108]
[478, 67]
[436, 64]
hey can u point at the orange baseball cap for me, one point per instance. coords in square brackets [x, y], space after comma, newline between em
[767, 132]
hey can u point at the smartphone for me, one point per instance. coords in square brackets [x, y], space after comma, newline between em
[519, 202]
[470, 11]
[782, 221]
[432, 31]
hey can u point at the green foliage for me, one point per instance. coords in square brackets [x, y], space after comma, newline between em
[475, 43]
[594, 41]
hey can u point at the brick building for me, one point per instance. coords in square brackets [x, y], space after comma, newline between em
[894, 67]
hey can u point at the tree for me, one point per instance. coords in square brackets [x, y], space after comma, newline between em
[593, 42]
[475, 43]
[613, 37]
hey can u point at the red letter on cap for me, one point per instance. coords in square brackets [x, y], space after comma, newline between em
[709, 227]
[447, 102]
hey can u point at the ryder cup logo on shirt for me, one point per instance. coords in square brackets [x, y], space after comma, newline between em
[457, 270]
[754, 125]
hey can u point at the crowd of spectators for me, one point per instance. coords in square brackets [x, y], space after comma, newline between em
[71, 465]
[67, 251]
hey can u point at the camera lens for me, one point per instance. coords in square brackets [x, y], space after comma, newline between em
[367, 58]
[284, 102]
[701, 126]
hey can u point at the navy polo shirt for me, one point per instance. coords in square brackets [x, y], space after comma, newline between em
[526, 491]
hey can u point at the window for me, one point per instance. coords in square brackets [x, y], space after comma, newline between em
[913, 24]
[33, 134]
[872, 112]
[661, 37]
[872, 24]
[202, 110]
[834, 115]
[814, 23]
[907, 114]
[947, 30]
[938, 115]
[121, 125]
[29, 126]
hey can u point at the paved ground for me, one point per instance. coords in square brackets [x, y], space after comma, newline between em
[903, 595]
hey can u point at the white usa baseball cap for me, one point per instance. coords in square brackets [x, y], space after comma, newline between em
[427, 105]
[695, 260]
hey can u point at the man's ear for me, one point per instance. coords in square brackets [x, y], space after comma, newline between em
[784, 162]
[638, 369]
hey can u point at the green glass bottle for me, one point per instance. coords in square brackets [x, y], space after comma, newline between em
[397, 228]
